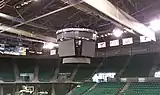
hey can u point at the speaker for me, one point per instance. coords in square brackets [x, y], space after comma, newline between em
[67, 48]
[88, 48]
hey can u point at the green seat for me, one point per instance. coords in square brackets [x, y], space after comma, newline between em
[114, 64]
[85, 71]
[142, 63]
[106, 89]
[143, 89]
[62, 89]
[67, 69]
[25, 65]
[46, 69]
[82, 88]
[6, 70]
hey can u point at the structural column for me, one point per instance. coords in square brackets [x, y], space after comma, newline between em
[36, 71]
[16, 71]
[1, 90]
[17, 90]
[14, 91]
[36, 90]
[53, 90]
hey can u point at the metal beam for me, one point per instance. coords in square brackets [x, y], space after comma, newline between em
[15, 19]
[47, 14]
[27, 34]
[119, 17]
[22, 38]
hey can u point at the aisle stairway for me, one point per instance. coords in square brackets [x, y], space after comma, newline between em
[81, 89]
[106, 89]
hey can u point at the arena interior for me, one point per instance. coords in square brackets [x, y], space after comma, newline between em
[79, 47]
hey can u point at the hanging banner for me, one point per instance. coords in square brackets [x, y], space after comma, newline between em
[114, 43]
[144, 39]
[102, 45]
[127, 41]
[53, 52]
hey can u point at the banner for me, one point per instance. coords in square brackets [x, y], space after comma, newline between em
[102, 45]
[2, 47]
[114, 43]
[144, 39]
[53, 52]
[127, 41]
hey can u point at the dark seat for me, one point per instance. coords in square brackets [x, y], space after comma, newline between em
[6, 70]
[140, 65]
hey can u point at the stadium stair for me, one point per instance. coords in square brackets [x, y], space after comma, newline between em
[122, 70]
[71, 91]
[67, 70]
[74, 72]
[97, 69]
[106, 89]
[85, 71]
[92, 88]
[81, 89]
[124, 88]
[143, 89]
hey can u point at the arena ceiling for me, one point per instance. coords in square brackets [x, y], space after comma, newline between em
[41, 18]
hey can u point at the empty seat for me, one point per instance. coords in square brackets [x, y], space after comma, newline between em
[82, 88]
[46, 69]
[6, 70]
[67, 69]
[25, 65]
[114, 64]
[143, 89]
[140, 65]
[85, 71]
[106, 89]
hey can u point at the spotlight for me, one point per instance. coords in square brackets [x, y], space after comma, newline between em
[102, 36]
[36, 0]
[117, 32]
[17, 7]
[154, 24]
[50, 45]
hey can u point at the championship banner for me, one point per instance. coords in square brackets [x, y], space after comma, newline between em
[144, 39]
[114, 43]
[127, 41]
[102, 45]
[53, 52]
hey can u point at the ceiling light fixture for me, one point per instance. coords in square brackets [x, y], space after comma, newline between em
[117, 32]
[154, 24]
[36, 0]
[50, 45]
